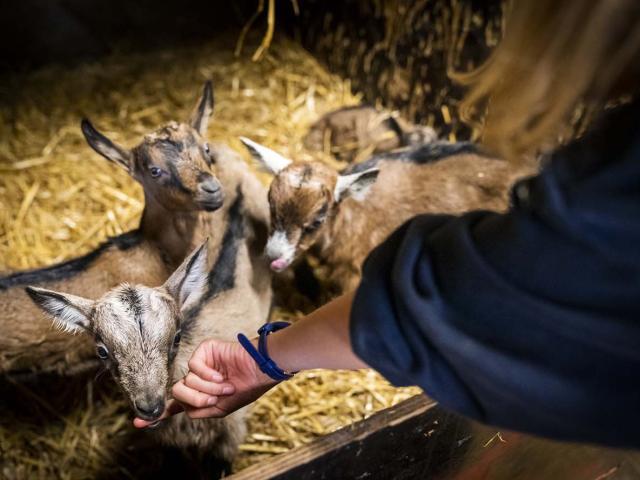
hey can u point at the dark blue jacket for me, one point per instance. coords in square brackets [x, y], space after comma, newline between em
[529, 320]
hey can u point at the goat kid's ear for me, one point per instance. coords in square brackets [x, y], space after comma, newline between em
[188, 283]
[267, 158]
[355, 185]
[105, 147]
[69, 312]
[203, 110]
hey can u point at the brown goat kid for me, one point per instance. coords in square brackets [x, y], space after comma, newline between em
[344, 216]
[189, 186]
[145, 336]
[353, 132]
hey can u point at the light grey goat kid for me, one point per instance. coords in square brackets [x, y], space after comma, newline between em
[145, 336]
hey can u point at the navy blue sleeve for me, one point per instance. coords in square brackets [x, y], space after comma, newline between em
[528, 320]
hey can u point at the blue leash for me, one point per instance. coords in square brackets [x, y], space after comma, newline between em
[261, 355]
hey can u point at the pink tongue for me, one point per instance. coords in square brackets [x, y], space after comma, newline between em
[279, 264]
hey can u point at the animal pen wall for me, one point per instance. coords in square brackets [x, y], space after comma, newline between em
[276, 65]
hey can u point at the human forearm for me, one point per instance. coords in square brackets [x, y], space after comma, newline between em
[320, 340]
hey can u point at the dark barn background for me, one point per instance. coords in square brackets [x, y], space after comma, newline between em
[396, 52]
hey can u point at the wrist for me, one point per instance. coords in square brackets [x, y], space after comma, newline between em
[278, 344]
[262, 379]
[260, 353]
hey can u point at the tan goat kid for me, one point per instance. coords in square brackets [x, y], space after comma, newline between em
[145, 336]
[352, 132]
[189, 186]
[345, 215]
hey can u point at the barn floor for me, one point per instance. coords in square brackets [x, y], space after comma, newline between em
[59, 200]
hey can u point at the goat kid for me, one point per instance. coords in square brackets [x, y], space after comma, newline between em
[189, 186]
[351, 132]
[145, 336]
[345, 215]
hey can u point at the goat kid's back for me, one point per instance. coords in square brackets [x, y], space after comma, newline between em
[28, 341]
[452, 185]
[350, 133]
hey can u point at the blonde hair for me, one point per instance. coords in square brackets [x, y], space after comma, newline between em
[554, 55]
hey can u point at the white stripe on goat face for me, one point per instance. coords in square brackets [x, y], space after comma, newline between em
[147, 322]
[279, 247]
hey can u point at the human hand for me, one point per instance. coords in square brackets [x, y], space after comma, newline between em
[222, 378]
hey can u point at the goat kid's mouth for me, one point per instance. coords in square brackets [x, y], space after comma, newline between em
[212, 202]
[279, 264]
[280, 251]
[148, 418]
[149, 413]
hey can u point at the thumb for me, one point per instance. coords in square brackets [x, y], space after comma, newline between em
[170, 409]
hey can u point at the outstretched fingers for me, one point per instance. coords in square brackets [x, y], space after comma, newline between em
[195, 382]
[192, 398]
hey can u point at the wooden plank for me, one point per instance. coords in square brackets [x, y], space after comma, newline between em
[418, 439]
[283, 465]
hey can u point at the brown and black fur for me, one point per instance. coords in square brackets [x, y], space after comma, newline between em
[188, 202]
[350, 133]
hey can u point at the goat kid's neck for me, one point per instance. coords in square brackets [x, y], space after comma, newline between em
[177, 233]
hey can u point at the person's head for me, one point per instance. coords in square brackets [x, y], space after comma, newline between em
[554, 55]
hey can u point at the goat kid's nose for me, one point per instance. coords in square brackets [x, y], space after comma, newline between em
[209, 186]
[150, 409]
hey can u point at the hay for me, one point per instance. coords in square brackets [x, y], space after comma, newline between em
[59, 200]
[312, 404]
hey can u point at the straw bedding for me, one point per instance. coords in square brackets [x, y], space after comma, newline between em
[59, 199]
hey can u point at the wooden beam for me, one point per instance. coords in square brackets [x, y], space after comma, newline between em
[286, 465]
[417, 439]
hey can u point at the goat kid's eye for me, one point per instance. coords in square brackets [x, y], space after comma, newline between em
[155, 172]
[207, 151]
[312, 227]
[177, 338]
[102, 352]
